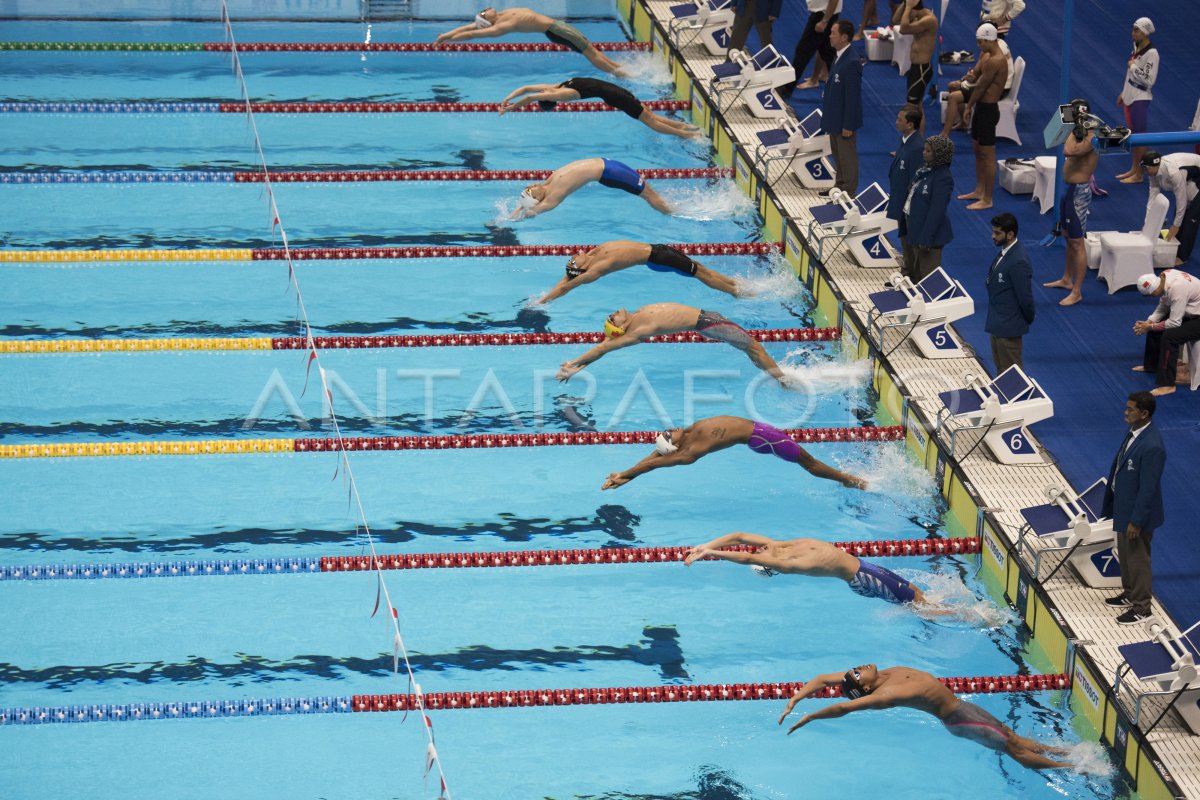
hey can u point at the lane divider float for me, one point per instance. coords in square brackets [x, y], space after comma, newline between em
[51, 346]
[356, 253]
[316, 47]
[523, 698]
[187, 107]
[331, 176]
[511, 558]
[476, 441]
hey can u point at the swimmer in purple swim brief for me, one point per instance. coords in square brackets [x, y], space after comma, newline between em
[678, 446]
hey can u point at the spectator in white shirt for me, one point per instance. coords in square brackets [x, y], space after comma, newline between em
[1001, 13]
[1174, 323]
[1137, 92]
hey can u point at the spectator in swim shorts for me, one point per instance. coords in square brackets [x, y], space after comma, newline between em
[623, 329]
[688, 445]
[549, 95]
[866, 688]
[983, 114]
[541, 197]
[491, 23]
[811, 558]
[621, 254]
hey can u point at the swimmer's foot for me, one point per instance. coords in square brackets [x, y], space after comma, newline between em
[1070, 299]
[1139, 368]
[1061, 283]
[1132, 179]
[854, 482]
[979, 205]
[1159, 391]
[971, 196]
[809, 83]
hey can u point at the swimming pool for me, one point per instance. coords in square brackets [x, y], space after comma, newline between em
[250, 637]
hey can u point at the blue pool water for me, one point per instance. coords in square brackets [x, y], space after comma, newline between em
[240, 637]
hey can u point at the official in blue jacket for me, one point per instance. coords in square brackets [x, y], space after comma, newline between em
[762, 13]
[1010, 308]
[905, 163]
[841, 106]
[925, 210]
[1133, 499]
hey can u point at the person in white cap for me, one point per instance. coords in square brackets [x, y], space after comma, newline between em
[1179, 174]
[982, 113]
[1137, 92]
[1174, 323]
[491, 23]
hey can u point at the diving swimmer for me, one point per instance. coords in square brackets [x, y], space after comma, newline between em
[539, 198]
[812, 558]
[688, 445]
[866, 688]
[491, 23]
[549, 95]
[623, 329]
[622, 254]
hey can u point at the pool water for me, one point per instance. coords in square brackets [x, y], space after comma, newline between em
[112, 641]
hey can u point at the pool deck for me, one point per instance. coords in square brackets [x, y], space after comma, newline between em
[1087, 637]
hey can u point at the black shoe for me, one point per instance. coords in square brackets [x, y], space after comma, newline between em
[1132, 617]
[889, 285]
[825, 192]
[1120, 601]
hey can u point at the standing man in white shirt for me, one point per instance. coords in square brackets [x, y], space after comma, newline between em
[1137, 92]
[1001, 13]
[1174, 323]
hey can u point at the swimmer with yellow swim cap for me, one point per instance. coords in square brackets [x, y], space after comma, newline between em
[622, 329]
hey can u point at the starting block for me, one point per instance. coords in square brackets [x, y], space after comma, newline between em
[754, 79]
[1072, 522]
[862, 222]
[1168, 663]
[926, 309]
[806, 147]
[707, 20]
[1001, 408]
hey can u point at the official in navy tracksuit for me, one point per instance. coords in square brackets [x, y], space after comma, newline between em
[925, 209]
[905, 163]
[1010, 307]
[841, 106]
[1134, 501]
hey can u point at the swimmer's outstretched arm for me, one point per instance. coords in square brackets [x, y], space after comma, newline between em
[565, 285]
[651, 462]
[569, 368]
[713, 549]
[840, 709]
[533, 93]
[469, 31]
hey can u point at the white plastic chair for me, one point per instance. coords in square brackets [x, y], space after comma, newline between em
[1043, 183]
[1125, 256]
[1193, 359]
[1009, 106]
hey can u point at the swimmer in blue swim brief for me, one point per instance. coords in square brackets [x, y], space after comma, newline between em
[867, 688]
[687, 445]
[621, 254]
[539, 198]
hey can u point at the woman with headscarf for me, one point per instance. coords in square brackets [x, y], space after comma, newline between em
[926, 223]
[1137, 92]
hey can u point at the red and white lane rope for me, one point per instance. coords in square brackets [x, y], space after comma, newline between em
[349, 176]
[440, 108]
[416, 47]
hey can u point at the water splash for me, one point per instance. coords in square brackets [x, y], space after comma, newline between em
[955, 602]
[805, 371]
[778, 283]
[703, 202]
[646, 68]
[889, 471]
[1088, 758]
[505, 208]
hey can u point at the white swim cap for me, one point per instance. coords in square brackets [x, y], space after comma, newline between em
[1147, 283]
[527, 199]
[987, 32]
[481, 21]
[1144, 25]
[664, 445]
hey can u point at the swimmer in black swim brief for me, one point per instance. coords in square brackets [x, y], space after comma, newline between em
[622, 254]
[664, 258]
[549, 95]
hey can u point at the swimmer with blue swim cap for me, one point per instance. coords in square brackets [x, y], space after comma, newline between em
[814, 558]
[490, 23]
[687, 445]
[622, 329]
[622, 254]
[868, 688]
[538, 198]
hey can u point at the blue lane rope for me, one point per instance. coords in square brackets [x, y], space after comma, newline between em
[263, 707]
[109, 108]
[170, 569]
[124, 176]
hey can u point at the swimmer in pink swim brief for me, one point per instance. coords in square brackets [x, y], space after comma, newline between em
[867, 687]
[687, 445]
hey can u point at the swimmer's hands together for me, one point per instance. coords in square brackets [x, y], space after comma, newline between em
[615, 480]
[567, 369]
[695, 554]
